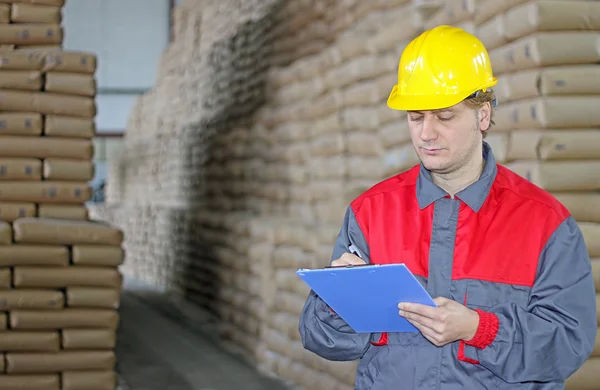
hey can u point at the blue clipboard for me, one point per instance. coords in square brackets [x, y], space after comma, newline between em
[367, 296]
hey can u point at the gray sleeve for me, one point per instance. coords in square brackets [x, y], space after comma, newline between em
[551, 338]
[324, 332]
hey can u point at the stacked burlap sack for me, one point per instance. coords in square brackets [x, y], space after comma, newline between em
[59, 295]
[31, 24]
[47, 109]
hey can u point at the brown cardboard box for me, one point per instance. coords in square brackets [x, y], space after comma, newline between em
[64, 126]
[56, 192]
[74, 212]
[33, 13]
[15, 168]
[47, 103]
[59, 361]
[71, 83]
[29, 382]
[89, 339]
[17, 123]
[64, 319]
[30, 34]
[21, 80]
[89, 380]
[100, 255]
[46, 147]
[66, 169]
[9, 211]
[42, 277]
[31, 299]
[42, 255]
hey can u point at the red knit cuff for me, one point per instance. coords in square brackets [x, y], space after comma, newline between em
[487, 330]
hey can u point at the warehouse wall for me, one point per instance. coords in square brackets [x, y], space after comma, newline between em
[267, 120]
[129, 37]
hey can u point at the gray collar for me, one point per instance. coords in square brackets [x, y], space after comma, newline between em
[474, 195]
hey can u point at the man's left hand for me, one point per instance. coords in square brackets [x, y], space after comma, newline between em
[448, 322]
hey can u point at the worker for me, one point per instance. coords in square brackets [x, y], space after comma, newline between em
[505, 262]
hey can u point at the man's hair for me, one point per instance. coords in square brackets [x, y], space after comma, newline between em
[479, 100]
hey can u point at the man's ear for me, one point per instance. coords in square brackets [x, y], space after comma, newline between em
[485, 116]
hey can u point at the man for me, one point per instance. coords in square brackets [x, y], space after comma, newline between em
[504, 260]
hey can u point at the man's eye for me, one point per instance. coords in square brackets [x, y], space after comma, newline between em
[445, 119]
[416, 119]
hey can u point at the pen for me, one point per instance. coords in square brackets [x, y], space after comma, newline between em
[354, 250]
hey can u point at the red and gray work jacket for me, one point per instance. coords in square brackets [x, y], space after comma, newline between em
[503, 247]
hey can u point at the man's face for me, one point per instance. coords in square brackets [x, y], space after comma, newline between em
[446, 140]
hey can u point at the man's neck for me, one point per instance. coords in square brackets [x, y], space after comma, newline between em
[460, 179]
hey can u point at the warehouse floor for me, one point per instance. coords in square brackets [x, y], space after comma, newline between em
[160, 346]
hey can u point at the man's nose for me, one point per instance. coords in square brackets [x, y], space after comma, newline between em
[428, 131]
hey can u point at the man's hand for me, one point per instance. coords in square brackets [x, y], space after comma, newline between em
[448, 322]
[347, 259]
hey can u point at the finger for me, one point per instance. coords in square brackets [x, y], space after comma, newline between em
[428, 333]
[351, 259]
[422, 320]
[417, 308]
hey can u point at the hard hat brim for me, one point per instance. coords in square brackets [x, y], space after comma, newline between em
[399, 102]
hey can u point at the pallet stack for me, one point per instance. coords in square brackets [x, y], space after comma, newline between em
[60, 283]
[60, 291]
[47, 107]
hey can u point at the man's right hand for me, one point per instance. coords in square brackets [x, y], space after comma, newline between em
[347, 259]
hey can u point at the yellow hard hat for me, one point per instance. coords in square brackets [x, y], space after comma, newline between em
[440, 68]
